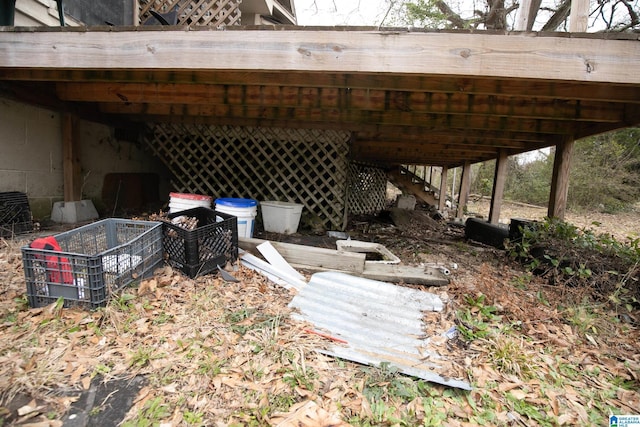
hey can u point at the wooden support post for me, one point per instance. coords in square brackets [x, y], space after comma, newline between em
[579, 16]
[70, 160]
[443, 189]
[136, 12]
[527, 13]
[522, 19]
[465, 185]
[498, 187]
[560, 179]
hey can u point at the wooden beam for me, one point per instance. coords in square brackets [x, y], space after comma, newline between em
[450, 83]
[70, 159]
[470, 54]
[349, 118]
[560, 179]
[498, 187]
[417, 155]
[345, 98]
[416, 134]
[443, 189]
[465, 185]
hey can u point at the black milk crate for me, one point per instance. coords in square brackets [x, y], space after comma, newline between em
[213, 243]
[15, 214]
[92, 262]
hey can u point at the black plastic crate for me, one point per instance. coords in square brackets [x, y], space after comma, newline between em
[213, 243]
[15, 214]
[92, 262]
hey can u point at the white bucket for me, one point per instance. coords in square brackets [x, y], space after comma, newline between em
[244, 210]
[183, 201]
[281, 217]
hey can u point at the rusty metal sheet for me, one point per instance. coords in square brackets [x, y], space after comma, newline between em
[379, 322]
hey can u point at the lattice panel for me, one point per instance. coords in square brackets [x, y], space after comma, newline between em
[367, 189]
[214, 13]
[297, 165]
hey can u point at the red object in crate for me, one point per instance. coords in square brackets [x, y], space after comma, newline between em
[58, 267]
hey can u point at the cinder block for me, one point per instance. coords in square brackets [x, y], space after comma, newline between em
[72, 212]
[407, 202]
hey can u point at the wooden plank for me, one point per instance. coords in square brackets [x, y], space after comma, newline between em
[443, 189]
[499, 179]
[353, 99]
[560, 179]
[348, 119]
[403, 273]
[70, 160]
[465, 54]
[311, 256]
[478, 86]
[320, 259]
[417, 135]
[585, 90]
[401, 156]
[465, 185]
[434, 146]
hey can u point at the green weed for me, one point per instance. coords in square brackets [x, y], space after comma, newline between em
[143, 356]
[509, 357]
[150, 415]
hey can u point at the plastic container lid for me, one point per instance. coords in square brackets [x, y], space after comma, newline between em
[189, 196]
[234, 202]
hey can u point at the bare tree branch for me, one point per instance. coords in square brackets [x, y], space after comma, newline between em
[455, 19]
[561, 14]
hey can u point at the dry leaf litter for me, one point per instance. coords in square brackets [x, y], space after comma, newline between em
[230, 352]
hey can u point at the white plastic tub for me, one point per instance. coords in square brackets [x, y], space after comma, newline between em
[281, 217]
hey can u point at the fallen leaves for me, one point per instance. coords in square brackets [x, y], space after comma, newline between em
[229, 353]
[307, 414]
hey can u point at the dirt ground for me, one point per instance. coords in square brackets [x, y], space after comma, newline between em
[621, 225]
[206, 352]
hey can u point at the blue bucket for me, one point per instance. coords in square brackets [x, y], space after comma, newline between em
[244, 210]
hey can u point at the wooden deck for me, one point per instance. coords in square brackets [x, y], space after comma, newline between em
[406, 97]
[409, 97]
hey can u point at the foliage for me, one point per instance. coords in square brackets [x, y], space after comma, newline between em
[605, 172]
[530, 182]
[501, 15]
[567, 255]
[604, 176]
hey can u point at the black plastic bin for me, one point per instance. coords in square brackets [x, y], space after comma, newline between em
[15, 214]
[213, 243]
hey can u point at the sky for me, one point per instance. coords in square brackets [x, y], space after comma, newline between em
[340, 12]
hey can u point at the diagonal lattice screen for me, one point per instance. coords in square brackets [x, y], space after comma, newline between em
[367, 189]
[213, 13]
[304, 166]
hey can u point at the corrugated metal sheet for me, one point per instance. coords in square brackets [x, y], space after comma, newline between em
[379, 321]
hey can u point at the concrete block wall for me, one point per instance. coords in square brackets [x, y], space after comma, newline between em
[31, 156]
